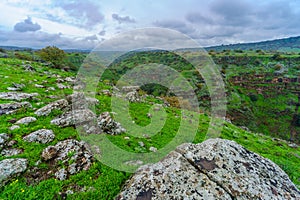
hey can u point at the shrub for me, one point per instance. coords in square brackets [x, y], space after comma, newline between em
[53, 54]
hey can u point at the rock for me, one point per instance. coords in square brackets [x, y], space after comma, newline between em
[14, 127]
[153, 149]
[26, 120]
[11, 152]
[75, 117]
[39, 86]
[141, 144]
[3, 140]
[10, 168]
[49, 153]
[62, 86]
[214, 169]
[9, 108]
[46, 110]
[12, 89]
[75, 156]
[80, 101]
[108, 125]
[28, 68]
[61, 174]
[41, 136]
[133, 96]
[106, 92]
[127, 89]
[70, 79]
[293, 145]
[18, 96]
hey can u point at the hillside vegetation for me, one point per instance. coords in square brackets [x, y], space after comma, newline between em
[262, 91]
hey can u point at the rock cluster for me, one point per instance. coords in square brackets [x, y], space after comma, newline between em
[9, 108]
[72, 154]
[214, 169]
[18, 96]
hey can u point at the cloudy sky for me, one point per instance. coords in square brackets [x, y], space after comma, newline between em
[84, 23]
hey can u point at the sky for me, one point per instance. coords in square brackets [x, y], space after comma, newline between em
[83, 24]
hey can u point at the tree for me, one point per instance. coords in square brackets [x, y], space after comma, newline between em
[53, 54]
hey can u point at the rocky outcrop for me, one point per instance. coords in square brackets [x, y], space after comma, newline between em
[46, 110]
[26, 120]
[72, 154]
[108, 125]
[9, 108]
[18, 96]
[214, 169]
[10, 168]
[41, 136]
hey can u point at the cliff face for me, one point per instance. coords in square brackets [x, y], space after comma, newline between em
[214, 169]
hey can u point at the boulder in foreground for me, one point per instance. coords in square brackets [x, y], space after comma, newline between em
[214, 169]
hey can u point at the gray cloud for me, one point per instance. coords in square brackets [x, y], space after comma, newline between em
[120, 19]
[26, 25]
[102, 33]
[87, 12]
[176, 25]
[41, 39]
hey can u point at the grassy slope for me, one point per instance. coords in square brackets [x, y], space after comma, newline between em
[102, 182]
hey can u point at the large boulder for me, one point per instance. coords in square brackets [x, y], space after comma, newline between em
[10, 168]
[18, 96]
[214, 169]
[9, 108]
[46, 110]
[72, 154]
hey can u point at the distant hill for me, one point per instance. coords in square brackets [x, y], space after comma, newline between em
[285, 44]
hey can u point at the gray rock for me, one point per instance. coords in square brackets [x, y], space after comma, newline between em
[26, 120]
[11, 152]
[10, 168]
[153, 149]
[74, 155]
[9, 108]
[14, 127]
[108, 125]
[28, 68]
[18, 96]
[127, 89]
[39, 86]
[61, 174]
[41, 136]
[214, 169]
[46, 110]
[133, 96]
[62, 86]
[80, 101]
[3, 140]
[75, 117]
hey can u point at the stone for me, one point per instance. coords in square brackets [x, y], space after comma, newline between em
[108, 125]
[127, 89]
[133, 96]
[9, 108]
[11, 152]
[80, 101]
[62, 86]
[40, 136]
[46, 110]
[28, 68]
[75, 117]
[3, 140]
[39, 86]
[14, 127]
[141, 144]
[153, 149]
[61, 174]
[10, 168]
[18, 96]
[213, 169]
[26, 120]
[75, 156]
